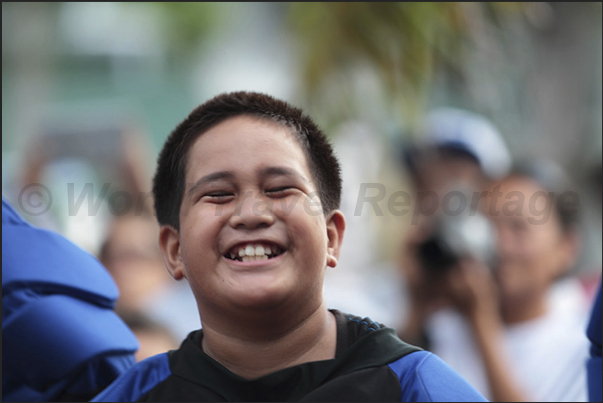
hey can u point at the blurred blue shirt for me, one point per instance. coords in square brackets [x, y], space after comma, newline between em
[594, 365]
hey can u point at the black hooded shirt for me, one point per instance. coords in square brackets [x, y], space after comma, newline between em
[366, 367]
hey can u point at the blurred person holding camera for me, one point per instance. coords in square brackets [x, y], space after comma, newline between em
[461, 152]
[484, 294]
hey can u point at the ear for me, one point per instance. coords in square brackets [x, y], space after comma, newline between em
[335, 230]
[169, 242]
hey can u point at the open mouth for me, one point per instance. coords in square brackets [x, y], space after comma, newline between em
[254, 251]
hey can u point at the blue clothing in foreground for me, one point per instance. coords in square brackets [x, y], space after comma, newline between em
[61, 338]
[595, 365]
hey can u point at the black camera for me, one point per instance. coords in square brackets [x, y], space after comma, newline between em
[456, 236]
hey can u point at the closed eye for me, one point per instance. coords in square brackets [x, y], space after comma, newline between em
[278, 191]
[218, 197]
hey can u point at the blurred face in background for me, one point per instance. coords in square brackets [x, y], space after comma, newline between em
[438, 172]
[533, 248]
[132, 255]
[441, 170]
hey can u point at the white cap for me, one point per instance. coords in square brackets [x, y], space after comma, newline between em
[472, 133]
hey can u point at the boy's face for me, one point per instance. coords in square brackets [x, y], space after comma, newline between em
[248, 188]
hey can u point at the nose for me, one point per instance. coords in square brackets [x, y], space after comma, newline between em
[252, 211]
[506, 241]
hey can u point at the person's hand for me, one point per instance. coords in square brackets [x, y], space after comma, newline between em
[474, 293]
[472, 290]
[426, 289]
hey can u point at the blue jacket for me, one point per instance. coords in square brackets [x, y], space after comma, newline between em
[60, 336]
[594, 364]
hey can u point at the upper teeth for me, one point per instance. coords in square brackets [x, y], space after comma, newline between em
[254, 251]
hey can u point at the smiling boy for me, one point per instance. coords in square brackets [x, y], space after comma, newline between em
[246, 192]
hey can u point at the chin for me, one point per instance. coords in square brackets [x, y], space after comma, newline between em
[258, 304]
[261, 298]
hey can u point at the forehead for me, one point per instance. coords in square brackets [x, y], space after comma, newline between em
[515, 185]
[245, 143]
[437, 172]
[533, 201]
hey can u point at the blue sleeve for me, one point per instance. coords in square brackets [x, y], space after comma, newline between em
[138, 381]
[54, 339]
[60, 335]
[424, 377]
[34, 258]
[98, 373]
[594, 365]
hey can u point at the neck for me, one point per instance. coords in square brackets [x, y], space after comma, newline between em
[252, 354]
[523, 311]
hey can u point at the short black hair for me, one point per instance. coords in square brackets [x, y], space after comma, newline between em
[168, 183]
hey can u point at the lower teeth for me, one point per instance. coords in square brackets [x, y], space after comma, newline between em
[250, 258]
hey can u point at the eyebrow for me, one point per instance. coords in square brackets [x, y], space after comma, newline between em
[227, 175]
[213, 177]
[282, 171]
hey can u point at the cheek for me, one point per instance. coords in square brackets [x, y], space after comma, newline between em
[535, 257]
[200, 232]
[541, 244]
[309, 231]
